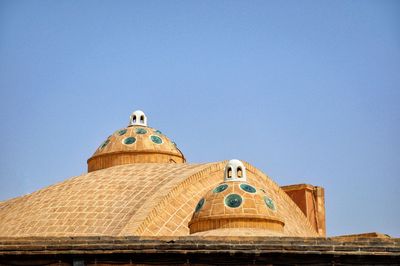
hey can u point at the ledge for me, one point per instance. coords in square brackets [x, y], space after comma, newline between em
[250, 246]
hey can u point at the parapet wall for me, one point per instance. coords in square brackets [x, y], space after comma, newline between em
[311, 200]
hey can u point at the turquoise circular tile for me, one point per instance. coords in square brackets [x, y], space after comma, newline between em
[121, 132]
[248, 188]
[233, 200]
[104, 144]
[270, 203]
[220, 188]
[129, 141]
[200, 205]
[141, 131]
[156, 139]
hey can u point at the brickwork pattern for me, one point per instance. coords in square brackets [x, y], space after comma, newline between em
[136, 199]
[252, 212]
[98, 203]
[168, 220]
[113, 151]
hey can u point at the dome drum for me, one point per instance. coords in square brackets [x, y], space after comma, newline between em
[118, 158]
[238, 221]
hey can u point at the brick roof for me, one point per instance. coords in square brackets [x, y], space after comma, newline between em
[145, 199]
[99, 203]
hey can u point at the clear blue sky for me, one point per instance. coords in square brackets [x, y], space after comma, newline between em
[307, 92]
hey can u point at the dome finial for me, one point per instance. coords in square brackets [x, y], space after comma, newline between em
[235, 171]
[138, 118]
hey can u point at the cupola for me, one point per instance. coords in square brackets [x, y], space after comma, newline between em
[235, 171]
[136, 143]
[138, 118]
[236, 204]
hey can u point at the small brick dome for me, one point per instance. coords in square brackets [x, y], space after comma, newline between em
[136, 143]
[236, 204]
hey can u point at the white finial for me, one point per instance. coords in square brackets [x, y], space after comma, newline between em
[138, 118]
[235, 171]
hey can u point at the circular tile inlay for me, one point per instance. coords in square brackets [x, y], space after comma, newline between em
[220, 188]
[269, 202]
[199, 205]
[104, 144]
[122, 132]
[248, 188]
[129, 141]
[156, 139]
[233, 200]
[141, 131]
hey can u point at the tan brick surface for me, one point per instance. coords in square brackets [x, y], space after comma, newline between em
[196, 186]
[143, 150]
[252, 213]
[98, 203]
[135, 199]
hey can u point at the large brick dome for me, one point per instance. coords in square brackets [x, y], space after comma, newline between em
[139, 199]
[140, 185]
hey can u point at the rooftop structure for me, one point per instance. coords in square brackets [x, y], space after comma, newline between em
[140, 188]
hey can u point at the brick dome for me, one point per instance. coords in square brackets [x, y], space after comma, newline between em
[143, 199]
[137, 143]
[139, 185]
[235, 203]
